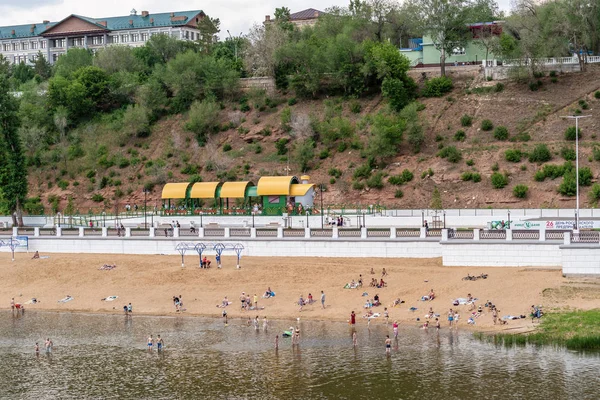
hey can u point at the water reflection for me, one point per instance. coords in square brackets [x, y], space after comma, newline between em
[106, 357]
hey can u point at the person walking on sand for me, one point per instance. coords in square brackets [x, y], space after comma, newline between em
[129, 309]
[159, 343]
[301, 303]
[450, 317]
[437, 324]
[323, 299]
[388, 344]
[150, 342]
[255, 301]
[494, 315]
[48, 344]
[352, 318]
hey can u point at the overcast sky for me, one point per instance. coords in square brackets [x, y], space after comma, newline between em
[237, 16]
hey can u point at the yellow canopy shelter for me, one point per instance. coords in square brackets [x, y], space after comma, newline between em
[204, 190]
[300, 189]
[275, 185]
[234, 190]
[175, 190]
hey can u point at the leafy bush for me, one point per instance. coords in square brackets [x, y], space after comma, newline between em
[521, 137]
[450, 153]
[357, 185]
[597, 94]
[466, 120]
[63, 184]
[570, 133]
[124, 163]
[499, 180]
[202, 118]
[460, 136]
[437, 87]
[568, 186]
[375, 181]
[487, 125]
[190, 169]
[398, 194]
[470, 162]
[552, 74]
[98, 198]
[404, 177]
[540, 154]
[501, 133]
[281, 146]
[585, 176]
[355, 107]
[596, 153]
[495, 167]
[136, 121]
[499, 87]
[336, 173]
[324, 154]
[513, 155]
[226, 147]
[332, 181]
[539, 175]
[568, 153]
[291, 101]
[595, 192]
[520, 191]
[398, 95]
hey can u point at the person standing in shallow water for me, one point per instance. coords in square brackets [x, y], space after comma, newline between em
[388, 344]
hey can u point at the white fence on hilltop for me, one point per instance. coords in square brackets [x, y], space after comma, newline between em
[541, 61]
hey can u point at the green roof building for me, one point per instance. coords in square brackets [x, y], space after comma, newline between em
[22, 43]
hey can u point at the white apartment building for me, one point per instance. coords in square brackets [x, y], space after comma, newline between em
[22, 43]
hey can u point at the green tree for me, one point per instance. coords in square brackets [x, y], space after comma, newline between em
[304, 153]
[42, 67]
[13, 171]
[436, 200]
[136, 122]
[445, 21]
[386, 137]
[70, 62]
[209, 28]
[114, 59]
[22, 72]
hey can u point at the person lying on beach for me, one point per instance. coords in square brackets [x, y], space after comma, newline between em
[430, 314]
[397, 302]
[36, 255]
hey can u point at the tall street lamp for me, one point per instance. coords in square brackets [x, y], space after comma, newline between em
[321, 190]
[145, 204]
[104, 219]
[576, 118]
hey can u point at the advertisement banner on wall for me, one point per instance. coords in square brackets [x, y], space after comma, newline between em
[548, 225]
[567, 225]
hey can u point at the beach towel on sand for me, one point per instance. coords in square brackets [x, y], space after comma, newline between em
[110, 298]
[66, 299]
[463, 301]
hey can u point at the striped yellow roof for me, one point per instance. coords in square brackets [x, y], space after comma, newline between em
[275, 185]
[300, 189]
[234, 190]
[174, 190]
[204, 190]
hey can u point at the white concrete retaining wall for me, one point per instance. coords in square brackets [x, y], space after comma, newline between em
[501, 254]
[581, 260]
[259, 248]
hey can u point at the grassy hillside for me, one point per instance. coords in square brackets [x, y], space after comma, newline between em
[105, 166]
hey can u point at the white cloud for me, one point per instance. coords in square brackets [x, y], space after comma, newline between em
[235, 15]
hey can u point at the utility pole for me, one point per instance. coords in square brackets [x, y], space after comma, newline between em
[576, 118]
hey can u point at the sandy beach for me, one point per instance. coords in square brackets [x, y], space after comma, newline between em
[150, 282]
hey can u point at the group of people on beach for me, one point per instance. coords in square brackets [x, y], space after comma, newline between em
[159, 343]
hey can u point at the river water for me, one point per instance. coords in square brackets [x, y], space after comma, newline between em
[105, 357]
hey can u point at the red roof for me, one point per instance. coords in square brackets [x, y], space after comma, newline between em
[309, 13]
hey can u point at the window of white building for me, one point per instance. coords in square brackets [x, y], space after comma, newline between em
[97, 40]
[144, 37]
[43, 44]
[34, 45]
[6, 47]
[25, 46]
[124, 38]
[135, 37]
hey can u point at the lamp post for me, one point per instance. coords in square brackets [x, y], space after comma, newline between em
[104, 219]
[201, 226]
[321, 190]
[422, 218]
[307, 220]
[145, 204]
[508, 219]
[576, 118]
[253, 219]
[444, 219]
[58, 215]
